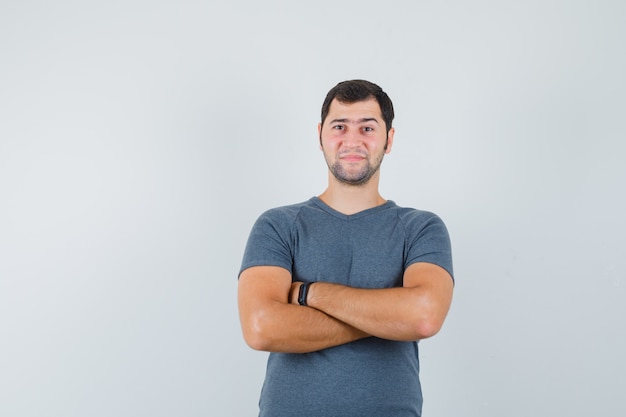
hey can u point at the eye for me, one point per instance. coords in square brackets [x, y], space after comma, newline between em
[368, 129]
[338, 127]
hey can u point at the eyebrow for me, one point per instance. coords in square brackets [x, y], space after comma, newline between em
[362, 120]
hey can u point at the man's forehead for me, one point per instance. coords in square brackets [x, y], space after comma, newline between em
[365, 108]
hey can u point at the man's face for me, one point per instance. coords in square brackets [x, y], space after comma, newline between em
[354, 140]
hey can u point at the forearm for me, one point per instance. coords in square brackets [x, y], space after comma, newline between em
[270, 323]
[386, 313]
[390, 313]
[295, 329]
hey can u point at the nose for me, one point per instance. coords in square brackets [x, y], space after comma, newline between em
[352, 138]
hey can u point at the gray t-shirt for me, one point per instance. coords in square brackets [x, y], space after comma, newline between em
[369, 249]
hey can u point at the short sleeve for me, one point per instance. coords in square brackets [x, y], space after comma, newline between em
[269, 242]
[428, 241]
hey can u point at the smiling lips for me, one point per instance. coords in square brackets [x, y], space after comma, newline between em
[352, 157]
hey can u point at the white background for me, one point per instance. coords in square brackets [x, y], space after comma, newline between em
[139, 141]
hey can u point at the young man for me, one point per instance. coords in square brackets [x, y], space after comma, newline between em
[341, 287]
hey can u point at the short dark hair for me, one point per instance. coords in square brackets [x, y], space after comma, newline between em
[359, 90]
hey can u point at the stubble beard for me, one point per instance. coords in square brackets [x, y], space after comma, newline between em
[356, 178]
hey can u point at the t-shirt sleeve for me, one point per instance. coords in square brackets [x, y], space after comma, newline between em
[429, 241]
[269, 243]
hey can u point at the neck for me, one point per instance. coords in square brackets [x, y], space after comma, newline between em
[350, 199]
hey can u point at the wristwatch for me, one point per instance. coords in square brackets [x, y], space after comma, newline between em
[304, 291]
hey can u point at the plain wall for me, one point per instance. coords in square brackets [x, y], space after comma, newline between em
[139, 141]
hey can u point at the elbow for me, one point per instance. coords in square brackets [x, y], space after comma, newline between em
[417, 329]
[256, 333]
[427, 327]
[428, 322]
[429, 318]
[256, 341]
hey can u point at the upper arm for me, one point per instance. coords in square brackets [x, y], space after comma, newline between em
[260, 284]
[426, 274]
[433, 288]
[259, 288]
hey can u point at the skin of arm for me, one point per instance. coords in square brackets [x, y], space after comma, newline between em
[271, 323]
[412, 312]
[272, 320]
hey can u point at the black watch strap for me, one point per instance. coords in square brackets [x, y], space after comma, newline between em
[303, 292]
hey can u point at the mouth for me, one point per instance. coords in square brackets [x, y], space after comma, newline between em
[352, 157]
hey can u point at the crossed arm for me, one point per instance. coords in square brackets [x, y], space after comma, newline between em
[272, 320]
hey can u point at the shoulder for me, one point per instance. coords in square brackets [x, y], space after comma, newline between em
[423, 226]
[418, 219]
[287, 213]
[281, 219]
[271, 239]
[427, 238]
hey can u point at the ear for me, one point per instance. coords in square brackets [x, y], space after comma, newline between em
[392, 131]
[319, 134]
